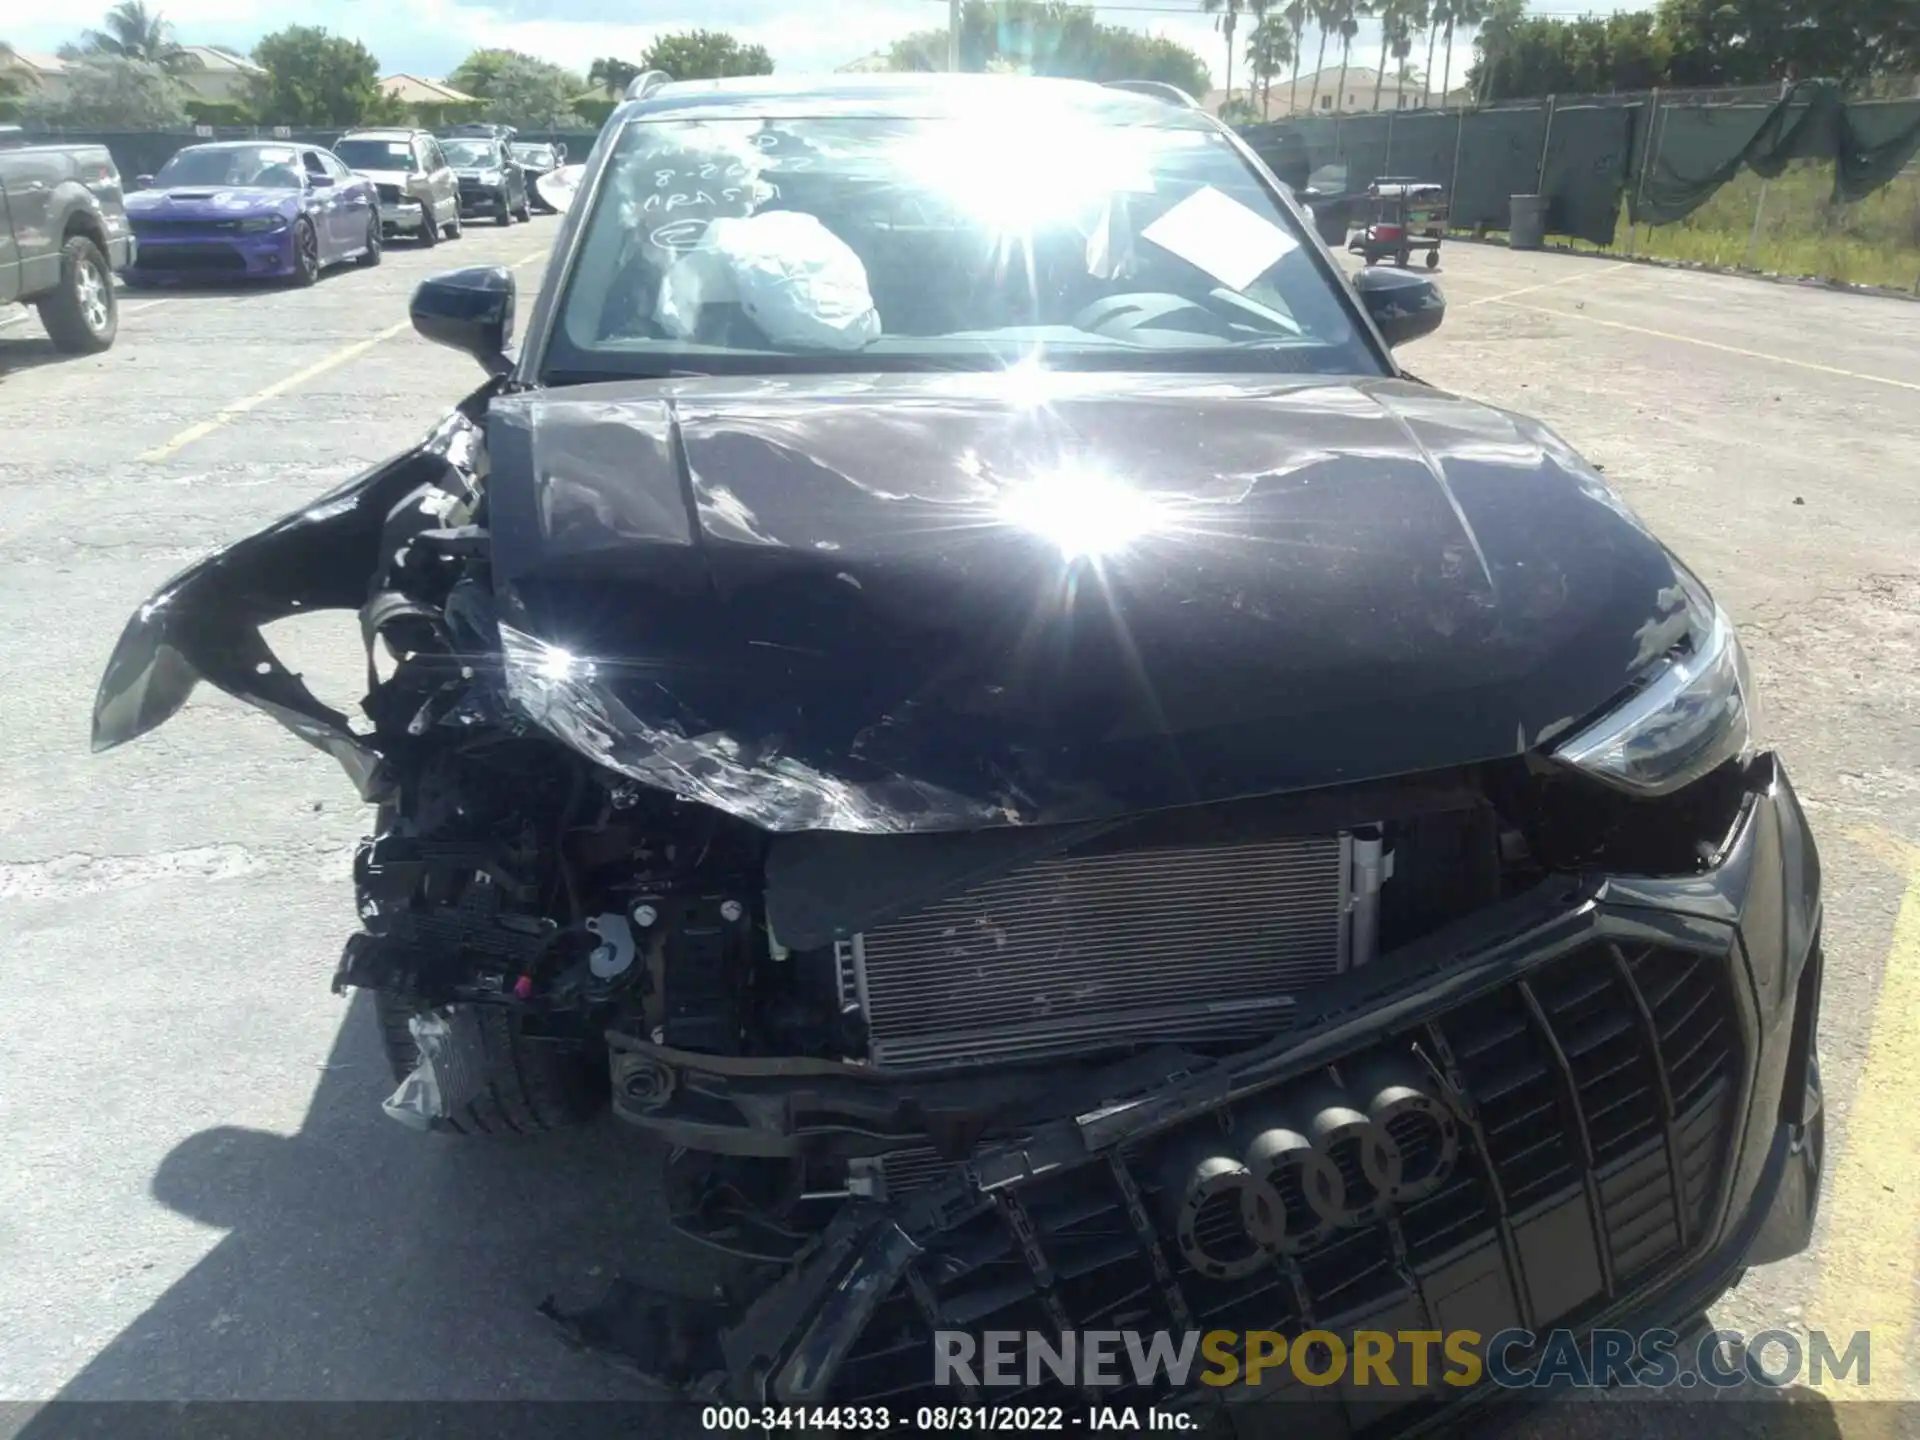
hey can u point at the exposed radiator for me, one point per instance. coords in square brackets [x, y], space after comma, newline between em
[1085, 952]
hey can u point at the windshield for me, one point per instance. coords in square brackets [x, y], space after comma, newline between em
[374, 154]
[468, 153]
[768, 245]
[533, 154]
[264, 166]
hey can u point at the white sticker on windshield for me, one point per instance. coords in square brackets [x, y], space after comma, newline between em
[1214, 231]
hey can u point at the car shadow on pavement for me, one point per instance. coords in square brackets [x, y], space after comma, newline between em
[22, 347]
[362, 1261]
[366, 1261]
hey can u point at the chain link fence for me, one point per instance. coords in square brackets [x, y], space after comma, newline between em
[1792, 180]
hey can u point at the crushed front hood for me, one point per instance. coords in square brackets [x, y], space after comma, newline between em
[899, 603]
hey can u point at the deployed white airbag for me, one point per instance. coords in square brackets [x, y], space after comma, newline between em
[791, 275]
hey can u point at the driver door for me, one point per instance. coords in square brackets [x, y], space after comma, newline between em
[323, 203]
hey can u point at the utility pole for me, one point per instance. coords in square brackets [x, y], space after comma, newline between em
[953, 35]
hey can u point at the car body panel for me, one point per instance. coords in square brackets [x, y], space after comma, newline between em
[216, 230]
[479, 197]
[44, 191]
[407, 195]
[910, 602]
[537, 161]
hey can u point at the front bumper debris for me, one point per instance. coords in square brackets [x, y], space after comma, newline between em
[1631, 1073]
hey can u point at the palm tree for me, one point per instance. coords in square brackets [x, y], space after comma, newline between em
[1398, 20]
[1464, 15]
[1295, 13]
[1326, 17]
[1497, 20]
[1346, 18]
[1403, 46]
[1269, 48]
[1228, 13]
[1438, 12]
[134, 32]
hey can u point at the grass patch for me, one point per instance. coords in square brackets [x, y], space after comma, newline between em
[1875, 241]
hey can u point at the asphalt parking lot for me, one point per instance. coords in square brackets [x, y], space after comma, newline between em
[199, 1195]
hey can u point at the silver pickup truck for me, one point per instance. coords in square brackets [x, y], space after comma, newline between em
[63, 235]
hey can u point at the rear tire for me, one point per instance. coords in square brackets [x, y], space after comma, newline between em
[370, 257]
[532, 1086]
[81, 316]
[454, 228]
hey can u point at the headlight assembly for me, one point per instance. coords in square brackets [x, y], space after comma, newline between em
[1693, 716]
[259, 223]
[489, 177]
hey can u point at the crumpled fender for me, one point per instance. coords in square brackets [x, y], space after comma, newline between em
[205, 623]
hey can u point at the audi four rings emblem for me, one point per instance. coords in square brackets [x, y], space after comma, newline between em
[1300, 1165]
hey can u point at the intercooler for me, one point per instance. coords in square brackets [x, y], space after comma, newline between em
[1086, 952]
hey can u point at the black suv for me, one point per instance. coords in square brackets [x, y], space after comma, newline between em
[953, 680]
[492, 182]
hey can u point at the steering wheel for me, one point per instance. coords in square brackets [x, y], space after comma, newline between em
[1119, 316]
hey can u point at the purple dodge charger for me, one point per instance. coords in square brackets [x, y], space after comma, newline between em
[246, 209]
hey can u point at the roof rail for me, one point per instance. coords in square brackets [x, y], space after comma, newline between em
[1159, 89]
[646, 82]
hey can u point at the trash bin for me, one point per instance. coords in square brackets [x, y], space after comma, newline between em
[1527, 222]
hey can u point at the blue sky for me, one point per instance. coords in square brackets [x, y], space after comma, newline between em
[428, 37]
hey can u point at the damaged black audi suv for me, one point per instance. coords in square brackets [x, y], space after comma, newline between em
[952, 679]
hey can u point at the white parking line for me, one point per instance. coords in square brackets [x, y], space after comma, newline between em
[124, 310]
[1585, 274]
[1740, 350]
[233, 412]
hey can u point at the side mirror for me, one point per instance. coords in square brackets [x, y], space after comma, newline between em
[469, 310]
[1404, 306]
[560, 154]
[143, 182]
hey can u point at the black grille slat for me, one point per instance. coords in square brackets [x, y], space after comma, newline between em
[1595, 1106]
[1577, 1119]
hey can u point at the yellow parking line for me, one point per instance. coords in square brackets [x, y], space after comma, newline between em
[1585, 274]
[1712, 345]
[238, 408]
[1873, 1192]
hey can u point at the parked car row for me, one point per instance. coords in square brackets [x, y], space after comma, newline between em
[242, 210]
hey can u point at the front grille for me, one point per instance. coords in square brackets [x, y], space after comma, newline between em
[200, 258]
[1191, 944]
[155, 229]
[1596, 1105]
